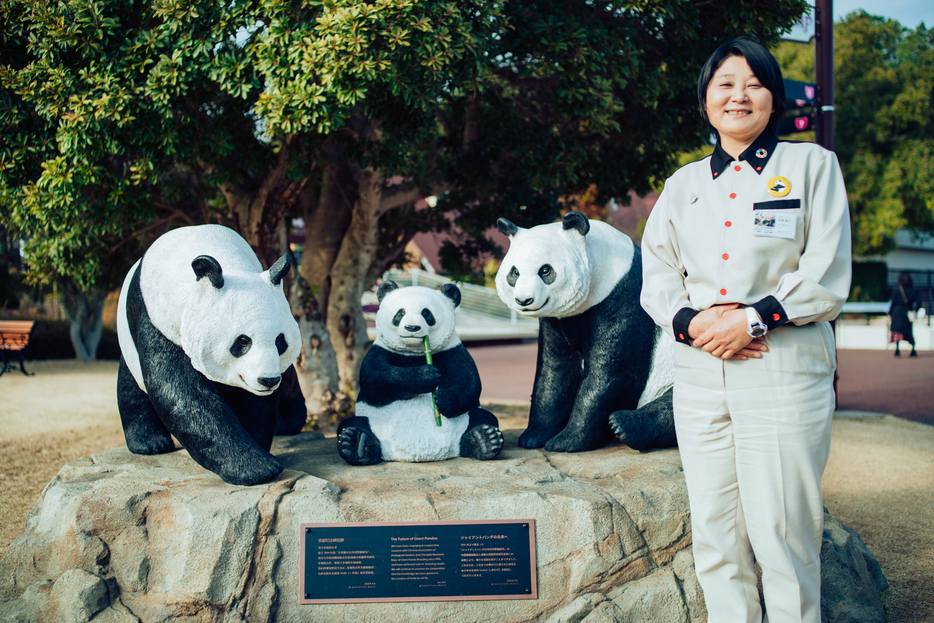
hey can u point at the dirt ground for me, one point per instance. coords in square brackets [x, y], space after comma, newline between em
[879, 481]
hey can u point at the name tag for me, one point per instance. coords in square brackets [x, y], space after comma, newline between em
[775, 225]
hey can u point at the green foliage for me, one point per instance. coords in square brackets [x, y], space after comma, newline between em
[586, 94]
[884, 130]
[121, 118]
[869, 282]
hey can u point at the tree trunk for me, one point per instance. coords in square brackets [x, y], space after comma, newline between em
[258, 214]
[345, 320]
[84, 311]
[340, 258]
[327, 216]
[317, 363]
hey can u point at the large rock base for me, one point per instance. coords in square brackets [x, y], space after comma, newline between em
[120, 538]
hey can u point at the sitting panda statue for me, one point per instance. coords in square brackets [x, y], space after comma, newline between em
[604, 367]
[207, 342]
[395, 419]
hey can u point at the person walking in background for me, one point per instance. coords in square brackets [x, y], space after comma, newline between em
[746, 257]
[904, 299]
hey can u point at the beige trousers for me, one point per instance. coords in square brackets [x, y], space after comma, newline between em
[754, 438]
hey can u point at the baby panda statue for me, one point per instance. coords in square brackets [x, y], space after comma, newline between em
[207, 342]
[603, 367]
[395, 419]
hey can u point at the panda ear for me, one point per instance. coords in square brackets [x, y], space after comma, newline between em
[450, 290]
[507, 227]
[207, 266]
[280, 269]
[385, 288]
[576, 220]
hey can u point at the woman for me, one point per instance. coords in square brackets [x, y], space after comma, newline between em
[904, 299]
[746, 258]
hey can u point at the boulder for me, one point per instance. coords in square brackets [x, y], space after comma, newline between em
[121, 537]
[851, 579]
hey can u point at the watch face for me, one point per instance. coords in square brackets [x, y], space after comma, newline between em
[758, 331]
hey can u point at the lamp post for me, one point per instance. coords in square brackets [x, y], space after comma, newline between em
[823, 71]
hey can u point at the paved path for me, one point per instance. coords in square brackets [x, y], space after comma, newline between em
[874, 380]
[870, 380]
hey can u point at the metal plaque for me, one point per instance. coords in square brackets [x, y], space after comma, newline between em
[417, 561]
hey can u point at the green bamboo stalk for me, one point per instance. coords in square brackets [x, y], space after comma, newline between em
[430, 363]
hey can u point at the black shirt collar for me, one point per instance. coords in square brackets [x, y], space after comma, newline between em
[758, 154]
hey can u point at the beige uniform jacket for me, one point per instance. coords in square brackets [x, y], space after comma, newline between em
[770, 230]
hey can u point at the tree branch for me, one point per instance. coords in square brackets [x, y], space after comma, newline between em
[402, 194]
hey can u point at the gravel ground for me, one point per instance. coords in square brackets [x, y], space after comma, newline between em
[879, 481]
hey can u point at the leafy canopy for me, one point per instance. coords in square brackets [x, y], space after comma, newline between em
[115, 115]
[118, 117]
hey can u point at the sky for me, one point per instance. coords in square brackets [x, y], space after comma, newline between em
[909, 13]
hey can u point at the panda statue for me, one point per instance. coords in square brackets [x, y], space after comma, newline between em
[395, 419]
[603, 367]
[207, 342]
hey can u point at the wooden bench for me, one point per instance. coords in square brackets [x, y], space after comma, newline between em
[14, 339]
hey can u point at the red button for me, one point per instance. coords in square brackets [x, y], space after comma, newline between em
[775, 317]
[723, 291]
[758, 168]
[726, 256]
[732, 195]
[738, 168]
[715, 174]
[729, 224]
[680, 336]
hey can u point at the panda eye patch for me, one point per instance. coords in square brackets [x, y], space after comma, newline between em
[547, 273]
[429, 317]
[512, 277]
[240, 346]
[398, 317]
[281, 344]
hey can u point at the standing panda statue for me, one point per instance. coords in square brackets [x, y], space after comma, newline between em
[603, 366]
[395, 419]
[207, 342]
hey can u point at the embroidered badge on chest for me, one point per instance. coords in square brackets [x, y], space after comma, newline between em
[779, 186]
[761, 153]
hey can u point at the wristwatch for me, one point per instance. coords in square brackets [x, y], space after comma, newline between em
[756, 327]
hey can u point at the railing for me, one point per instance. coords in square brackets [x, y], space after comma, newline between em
[473, 297]
[865, 308]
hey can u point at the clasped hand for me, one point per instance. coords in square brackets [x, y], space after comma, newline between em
[721, 330]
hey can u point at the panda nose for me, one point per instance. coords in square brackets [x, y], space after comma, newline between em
[412, 328]
[269, 381]
[525, 302]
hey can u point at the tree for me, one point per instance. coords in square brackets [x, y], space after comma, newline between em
[884, 124]
[344, 113]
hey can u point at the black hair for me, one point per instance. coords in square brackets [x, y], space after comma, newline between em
[763, 66]
[904, 279]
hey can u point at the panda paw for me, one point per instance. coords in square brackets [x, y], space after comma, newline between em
[572, 439]
[358, 446]
[249, 469]
[628, 429]
[641, 432]
[535, 437]
[482, 442]
[149, 444]
[425, 379]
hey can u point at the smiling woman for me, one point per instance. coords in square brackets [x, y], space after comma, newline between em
[741, 92]
[737, 105]
[746, 256]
